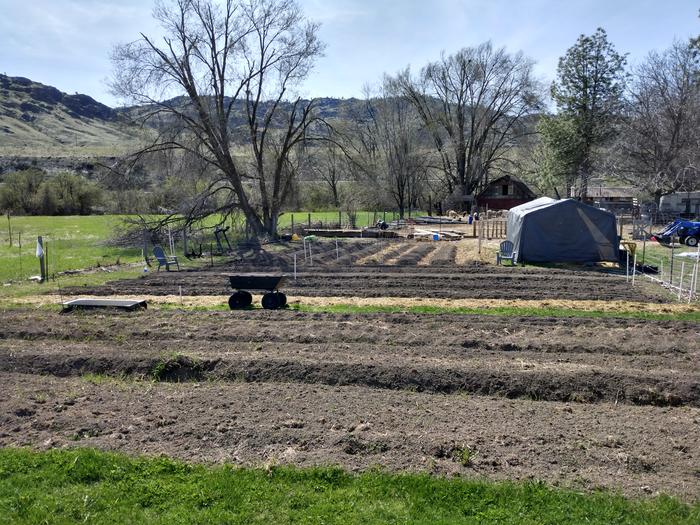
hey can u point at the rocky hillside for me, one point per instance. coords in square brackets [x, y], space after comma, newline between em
[38, 120]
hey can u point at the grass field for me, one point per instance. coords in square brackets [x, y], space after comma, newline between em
[79, 242]
[71, 242]
[364, 218]
[87, 486]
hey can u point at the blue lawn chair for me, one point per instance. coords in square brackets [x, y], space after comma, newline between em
[164, 260]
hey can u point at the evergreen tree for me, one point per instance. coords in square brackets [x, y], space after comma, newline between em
[588, 94]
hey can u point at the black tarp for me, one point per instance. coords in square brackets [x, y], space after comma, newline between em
[549, 230]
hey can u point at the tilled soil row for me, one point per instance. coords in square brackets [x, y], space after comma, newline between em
[445, 256]
[544, 361]
[415, 335]
[416, 255]
[547, 385]
[637, 450]
[433, 282]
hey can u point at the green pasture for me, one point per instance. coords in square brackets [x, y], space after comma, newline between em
[88, 486]
[80, 242]
[71, 243]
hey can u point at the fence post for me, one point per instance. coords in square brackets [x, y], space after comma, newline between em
[480, 231]
[621, 220]
[40, 254]
[145, 246]
[680, 282]
[634, 267]
[309, 217]
[19, 240]
[697, 269]
[292, 223]
[340, 220]
[673, 250]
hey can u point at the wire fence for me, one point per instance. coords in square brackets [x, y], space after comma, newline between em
[675, 268]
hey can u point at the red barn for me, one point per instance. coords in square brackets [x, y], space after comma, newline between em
[504, 193]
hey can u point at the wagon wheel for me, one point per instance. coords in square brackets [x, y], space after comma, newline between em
[240, 299]
[271, 301]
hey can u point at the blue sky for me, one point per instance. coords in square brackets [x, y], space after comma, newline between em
[66, 43]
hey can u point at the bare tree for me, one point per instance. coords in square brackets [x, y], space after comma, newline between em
[227, 60]
[658, 145]
[384, 144]
[330, 165]
[472, 103]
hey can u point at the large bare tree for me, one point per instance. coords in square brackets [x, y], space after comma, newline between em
[383, 141]
[473, 103]
[234, 66]
[658, 141]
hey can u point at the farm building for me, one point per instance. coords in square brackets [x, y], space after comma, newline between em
[617, 199]
[504, 193]
[685, 204]
[567, 230]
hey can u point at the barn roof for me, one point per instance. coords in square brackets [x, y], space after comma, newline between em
[509, 178]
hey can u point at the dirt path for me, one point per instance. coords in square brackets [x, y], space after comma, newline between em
[209, 301]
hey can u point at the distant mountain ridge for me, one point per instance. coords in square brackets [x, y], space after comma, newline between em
[40, 121]
[33, 98]
[37, 120]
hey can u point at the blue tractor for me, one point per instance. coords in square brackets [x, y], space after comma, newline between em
[687, 232]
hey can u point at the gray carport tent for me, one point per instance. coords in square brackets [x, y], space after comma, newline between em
[550, 230]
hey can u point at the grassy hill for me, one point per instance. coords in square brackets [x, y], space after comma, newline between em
[40, 121]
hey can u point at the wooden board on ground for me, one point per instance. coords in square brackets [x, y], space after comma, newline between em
[91, 304]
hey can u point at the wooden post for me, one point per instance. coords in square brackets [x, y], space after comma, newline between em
[487, 223]
[340, 220]
[184, 240]
[480, 231]
[40, 254]
[9, 228]
[19, 241]
[145, 246]
[309, 217]
[673, 251]
[292, 223]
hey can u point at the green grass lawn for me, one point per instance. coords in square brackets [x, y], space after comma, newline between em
[87, 486]
[71, 242]
[657, 255]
